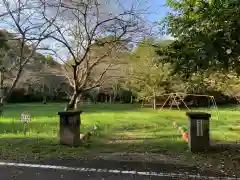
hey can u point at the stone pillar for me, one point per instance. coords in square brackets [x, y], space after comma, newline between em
[198, 131]
[70, 122]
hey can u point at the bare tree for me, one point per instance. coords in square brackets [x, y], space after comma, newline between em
[5, 12]
[92, 37]
[26, 32]
[46, 79]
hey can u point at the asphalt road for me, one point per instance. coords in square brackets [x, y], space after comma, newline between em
[70, 169]
[16, 173]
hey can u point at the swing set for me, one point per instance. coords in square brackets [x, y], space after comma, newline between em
[178, 98]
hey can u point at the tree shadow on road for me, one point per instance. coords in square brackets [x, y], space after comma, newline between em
[147, 149]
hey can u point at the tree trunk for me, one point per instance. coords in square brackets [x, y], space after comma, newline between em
[114, 97]
[154, 101]
[106, 98]
[72, 105]
[1, 105]
[1, 93]
[77, 101]
[44, 98]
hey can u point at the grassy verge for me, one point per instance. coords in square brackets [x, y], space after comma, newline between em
[122, 128]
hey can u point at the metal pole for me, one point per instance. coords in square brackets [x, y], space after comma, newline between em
[169, 96]
[215, 106]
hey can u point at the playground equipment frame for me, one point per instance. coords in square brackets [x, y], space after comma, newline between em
[181, 97]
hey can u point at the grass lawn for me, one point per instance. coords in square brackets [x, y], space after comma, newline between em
[122, 128]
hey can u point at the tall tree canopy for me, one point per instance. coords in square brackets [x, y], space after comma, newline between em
[146, 75]
[207, 35]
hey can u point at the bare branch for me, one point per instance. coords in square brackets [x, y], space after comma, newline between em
[93, 38]
[100, 81]
[29, 33]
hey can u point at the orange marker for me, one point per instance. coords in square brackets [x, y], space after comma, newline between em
[185, 136]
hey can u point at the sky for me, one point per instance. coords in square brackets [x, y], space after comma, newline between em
[156, 9]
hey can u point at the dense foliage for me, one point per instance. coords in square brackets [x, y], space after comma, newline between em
[146, 75]
[207, 35]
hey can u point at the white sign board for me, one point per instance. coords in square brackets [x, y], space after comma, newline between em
[199, 128]
[25, 118]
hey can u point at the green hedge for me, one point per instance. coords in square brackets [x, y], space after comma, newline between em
[123, 96]
[20, 95]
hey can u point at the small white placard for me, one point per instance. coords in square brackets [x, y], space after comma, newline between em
[199, 128]
[25, 117]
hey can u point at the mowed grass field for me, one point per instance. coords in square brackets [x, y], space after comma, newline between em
[122, 128]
